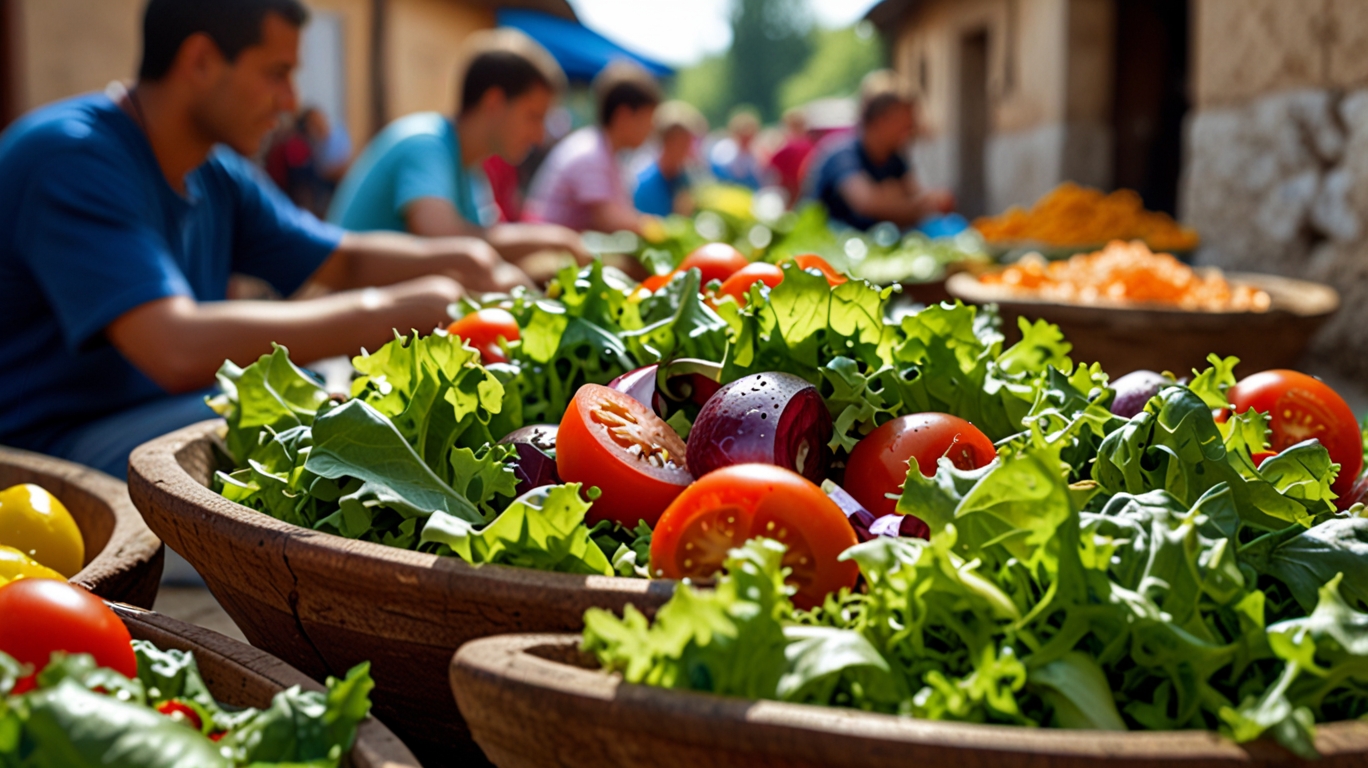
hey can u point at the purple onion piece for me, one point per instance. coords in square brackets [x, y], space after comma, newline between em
[536, 462]
[905, 526]
[640, 385]
[767, 418]
[860, 518]
[1134, 390]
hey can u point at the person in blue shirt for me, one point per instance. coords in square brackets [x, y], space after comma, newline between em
[422, 174]
[862, 178]
[123, 214]
[733, 158]
[663, 185]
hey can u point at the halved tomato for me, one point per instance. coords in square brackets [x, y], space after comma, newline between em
[809, 261]
[610, 441]
[738, 285]
[1299, 408]
[483, 329]
[717, 261]
[732, 505]
[878, 466]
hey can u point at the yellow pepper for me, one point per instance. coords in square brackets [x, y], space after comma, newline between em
[15, 565]
[34, 522]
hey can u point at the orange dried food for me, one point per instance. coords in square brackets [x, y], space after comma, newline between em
[1125, 273]
[1072, 215]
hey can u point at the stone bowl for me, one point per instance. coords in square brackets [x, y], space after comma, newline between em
[534, 701]
[323, 603]
[242, 676]
[1157, 338]
[123, 558]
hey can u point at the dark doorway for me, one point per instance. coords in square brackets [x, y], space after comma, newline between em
[1151, 98]
[9, 97]
[973, 124]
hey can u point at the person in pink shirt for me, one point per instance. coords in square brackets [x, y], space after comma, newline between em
[787, 164]
[581, 185]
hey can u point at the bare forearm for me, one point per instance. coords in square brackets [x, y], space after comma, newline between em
[517, 241]
[180, 344]
[384, 258]
[613, 217]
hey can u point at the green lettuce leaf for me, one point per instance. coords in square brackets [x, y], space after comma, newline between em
[543, 529]
[266, 398]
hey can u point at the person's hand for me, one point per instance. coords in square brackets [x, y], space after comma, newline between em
[479, 268]
[419, 304]
[939, 201]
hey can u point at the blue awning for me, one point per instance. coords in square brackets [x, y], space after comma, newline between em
[581, 52]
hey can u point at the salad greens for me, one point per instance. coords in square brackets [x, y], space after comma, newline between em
[81, 715]
[1177, 587]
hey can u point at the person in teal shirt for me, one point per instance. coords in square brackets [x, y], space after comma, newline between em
[422, 174]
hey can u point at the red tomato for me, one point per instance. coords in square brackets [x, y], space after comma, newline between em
[610, 441]
[739, 284]
[178, 710]
[1300, 408]
[656, 282]
[717, 261]
[813, 261]
[878, 465]
[483, 329]
[726, 508]
[39, 616]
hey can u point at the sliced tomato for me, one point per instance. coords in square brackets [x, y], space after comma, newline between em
[739, 284]
[810, 261]
[1300, 408]
[483, 330]
[656, 282]
[39, 616]
[732, 505]
[878, 466]
[717, 261]
[609, 441]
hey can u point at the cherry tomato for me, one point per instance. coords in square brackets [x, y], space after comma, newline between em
[656, 282]
[1300, 408]
[732, 505]
[717, 261]
[176, 709]
[483, 329]
[739, 284]
[39, 616]
[813, 261]
[878, 465]
[610, 441]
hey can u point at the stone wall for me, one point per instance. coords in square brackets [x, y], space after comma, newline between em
[1276, 175]
[1049, 91]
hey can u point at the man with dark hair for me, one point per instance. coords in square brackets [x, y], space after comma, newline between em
[123, 214]
[580, 185]
[422, 173]
[663, 185]
[863, 179]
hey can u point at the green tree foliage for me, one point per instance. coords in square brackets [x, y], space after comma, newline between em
[840, 58]
[707, 86]
[771, 39]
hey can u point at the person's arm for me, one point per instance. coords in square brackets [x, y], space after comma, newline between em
[613, 216]
[887, 202]
[385, 258]
[435, 217]
[180, 343]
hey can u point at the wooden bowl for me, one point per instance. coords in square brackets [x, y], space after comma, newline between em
[533, 701]
[123, 558]
[242, 676]
[323, 603]
[1125, 339]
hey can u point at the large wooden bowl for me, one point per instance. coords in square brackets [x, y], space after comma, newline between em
[123, 558]
[533, 702]
[323, 603]
[1125, 339]
[242, 676]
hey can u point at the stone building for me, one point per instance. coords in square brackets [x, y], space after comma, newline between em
[1247, 118]
[363, 61]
